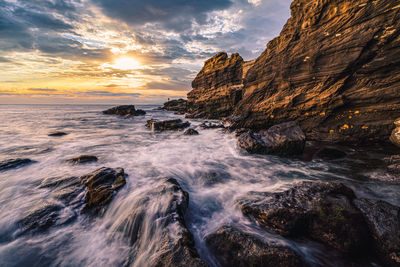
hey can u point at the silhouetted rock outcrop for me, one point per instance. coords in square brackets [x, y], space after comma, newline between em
[334, 69]
[177, 105]
[83, 159]
[57, 134]
[232, 247]
[125, 110]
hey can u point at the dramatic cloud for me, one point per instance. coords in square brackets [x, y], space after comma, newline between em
[142, 50]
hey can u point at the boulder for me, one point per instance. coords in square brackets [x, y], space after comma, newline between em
[320, 211]
[101, 185]
[158, 215]
[125, 110]
[384, 223]
[282, 139]
[177, 105]
[57, 134]
[191, 131]
[395, 136]
[232, 247]
[160, 126]
[83, 159]
[211, 125]
[14, 163]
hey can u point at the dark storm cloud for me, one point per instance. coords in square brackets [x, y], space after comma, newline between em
[174, 14]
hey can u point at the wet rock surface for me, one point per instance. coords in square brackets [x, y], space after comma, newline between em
[232, 247]
[83, 159]
[125, 110]
[384, 224]
[343, 89]
[191, 131]
[14, 163]
[321, 211]
[57, 134]
[177, 105]
[211, 125]
[282, 139]
[395, 136]
[167, 125]
[161, 211]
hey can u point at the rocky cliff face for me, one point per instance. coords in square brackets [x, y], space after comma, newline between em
[218, 87]
[335, 69]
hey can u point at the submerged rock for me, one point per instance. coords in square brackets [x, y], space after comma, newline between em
[57, 134]
[101, 185]
[384, 223]
[330, 153]
[177, 105]
[321, 211]
[282, 139]
[125, 110]
[211, 125]
[191, 131]
[395, 136]
[14, 163]
[232, 247]
[83, 159]
[159, 126]
[159, 214]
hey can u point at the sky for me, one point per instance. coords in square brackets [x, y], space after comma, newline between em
[123, 51]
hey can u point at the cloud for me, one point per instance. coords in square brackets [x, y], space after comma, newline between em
[43, 90]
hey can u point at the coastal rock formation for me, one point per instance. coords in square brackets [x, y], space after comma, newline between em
[57, 134]
[160, 126]
[125, 110]
[83, 159]
[321, 211]
[334, 69]
[231, 247]
[159, 214]
[395, 136]
[217, 88]
[177, 105]
[14, 163]
[191, 131]
[282, 139]
[384, 223]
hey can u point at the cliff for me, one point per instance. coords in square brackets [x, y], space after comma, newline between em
[335, 68]
[218, 87]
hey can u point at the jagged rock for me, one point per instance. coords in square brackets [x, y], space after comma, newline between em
[334, 69]
[14, 163]
[218, 87]
[101, 185]
[384, 223]
[211, 125]
[282, 139]
[57, 134]
[232, 247]
[395, 136]
[83, 159]
[321, 211]
[163, 209]
[125, 110]
[177, 105]
[393, 169]
[159, 126]
[191, 131]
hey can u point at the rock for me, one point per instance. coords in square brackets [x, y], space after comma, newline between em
[191, 131]
[384, 223]
[83, 159]
[395, 136]
[218, 87]
[125, 110]
[57, 134]
[14, 163]
[159, 126]
[334, 69]
[321, 211]
[282, 139]
[232, 247]
[394, 159]
[159, 214]
[210, 178]
[330, 153]
[179, 106]
[102, 184]
[211, 125]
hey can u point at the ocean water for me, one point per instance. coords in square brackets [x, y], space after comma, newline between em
[148, 157]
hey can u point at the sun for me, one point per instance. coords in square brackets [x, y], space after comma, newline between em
[126, 63]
